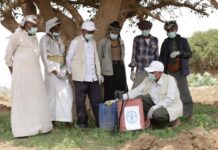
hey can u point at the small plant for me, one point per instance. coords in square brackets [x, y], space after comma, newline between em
[197, 80]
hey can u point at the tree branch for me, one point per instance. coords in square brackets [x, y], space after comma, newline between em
[9, 7]
[28, 8]
[214, 3]
[73, 11]
[177, 4]
[9, 22]
[85, 3]
[142, 11]
[45, 8]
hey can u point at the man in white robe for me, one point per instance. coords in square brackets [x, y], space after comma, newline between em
[58, 86]
[29, 112]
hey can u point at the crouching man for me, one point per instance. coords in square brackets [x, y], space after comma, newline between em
[160, 95]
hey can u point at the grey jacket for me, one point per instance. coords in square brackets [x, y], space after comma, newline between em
[104, 53]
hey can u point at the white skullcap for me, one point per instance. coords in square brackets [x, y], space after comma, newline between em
[88, 25]
[155, 66]
[30, 18]
[51, 23]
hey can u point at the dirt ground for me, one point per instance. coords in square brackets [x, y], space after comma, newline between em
[196, 139]
[205, 95]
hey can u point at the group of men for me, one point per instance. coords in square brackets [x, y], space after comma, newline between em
[159, 79]
[165, 99]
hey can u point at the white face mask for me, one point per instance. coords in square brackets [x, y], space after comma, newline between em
[113, 36]
[151, 77]
[171, 34]
[146, 32]
[56, 34]
[88, 36]
[32, 30]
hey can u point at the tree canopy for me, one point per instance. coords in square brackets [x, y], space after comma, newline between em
[103, 12]
[205, 51]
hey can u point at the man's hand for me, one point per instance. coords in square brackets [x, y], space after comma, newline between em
[132, 75]
[62, 73]
[55, 72]
[69, 69]
[151, 110]
[119, 94]
[174, 54]
[101, 80]
[109, 103]
[10, 69]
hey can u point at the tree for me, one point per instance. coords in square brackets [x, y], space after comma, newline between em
[105, 11]
[205, 51]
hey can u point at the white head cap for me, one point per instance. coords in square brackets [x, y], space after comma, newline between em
[51, 23]
[88, 25]
[30, 18]
[155, 66]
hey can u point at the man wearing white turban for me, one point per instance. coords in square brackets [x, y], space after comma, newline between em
[29, 113]
[58, 86]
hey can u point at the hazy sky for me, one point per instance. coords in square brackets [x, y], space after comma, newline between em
[188, 24]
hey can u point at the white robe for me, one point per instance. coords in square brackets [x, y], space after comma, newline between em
[29, 113]
[58, 87]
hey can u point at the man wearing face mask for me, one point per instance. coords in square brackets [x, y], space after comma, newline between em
[160, 95]
[111, 55]
[145, 50]
[30, 110]
[175, 54]
[58, 87]
[83, 62]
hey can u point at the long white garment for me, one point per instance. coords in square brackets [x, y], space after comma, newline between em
[29, 113]
[58, 87]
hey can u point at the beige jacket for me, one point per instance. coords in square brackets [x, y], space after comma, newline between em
[78, 62]
[174, 107]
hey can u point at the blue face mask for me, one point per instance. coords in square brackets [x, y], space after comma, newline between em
[146, 32]
[171, 34]
[151, 77]
[32, 30]
[56, 34]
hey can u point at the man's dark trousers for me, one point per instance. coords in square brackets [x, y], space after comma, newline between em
[160, 116]
[93, 91]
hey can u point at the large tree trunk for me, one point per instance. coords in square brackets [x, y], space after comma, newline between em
[113, 10]
[107, 12]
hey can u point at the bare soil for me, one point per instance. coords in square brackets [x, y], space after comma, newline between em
[197, 139]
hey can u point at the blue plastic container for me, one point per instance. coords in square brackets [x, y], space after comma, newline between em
[107, 116]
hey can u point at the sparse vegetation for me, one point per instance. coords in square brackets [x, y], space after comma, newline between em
[94, 138]
[198, 80]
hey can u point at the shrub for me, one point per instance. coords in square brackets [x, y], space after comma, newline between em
[197, 80]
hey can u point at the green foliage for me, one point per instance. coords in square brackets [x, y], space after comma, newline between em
[205, 116]
[197, 80]
[94, 138]
[205, 51]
